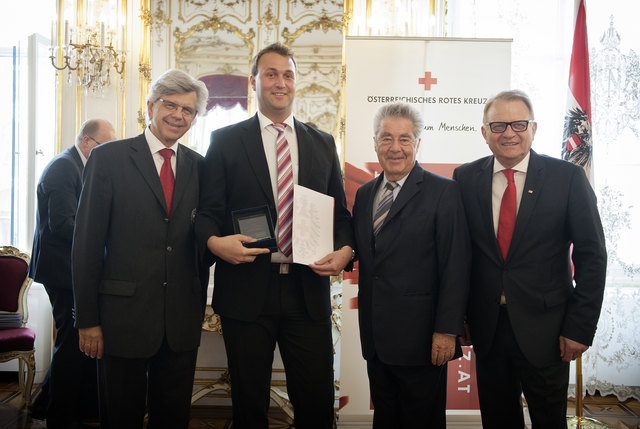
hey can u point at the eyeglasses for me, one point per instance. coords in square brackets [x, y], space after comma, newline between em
[388, 141]
[517, 126]
[97, 142]
[187, 112]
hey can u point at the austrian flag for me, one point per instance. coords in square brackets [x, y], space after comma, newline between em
[577, 145]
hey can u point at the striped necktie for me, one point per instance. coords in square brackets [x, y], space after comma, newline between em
[383, 206]
[285, 190]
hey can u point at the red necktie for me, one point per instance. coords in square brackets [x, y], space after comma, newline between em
[167, 178]
[507, 219]
[285, 190]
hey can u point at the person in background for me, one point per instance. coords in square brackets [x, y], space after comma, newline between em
[69, 393]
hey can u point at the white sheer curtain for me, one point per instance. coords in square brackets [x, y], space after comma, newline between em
[612, 366]
[542, 33]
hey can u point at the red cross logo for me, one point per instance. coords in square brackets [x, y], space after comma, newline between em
[427, 81]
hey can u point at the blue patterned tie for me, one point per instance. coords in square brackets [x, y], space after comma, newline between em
[383, 206]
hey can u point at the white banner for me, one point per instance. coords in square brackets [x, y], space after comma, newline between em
[449, 81]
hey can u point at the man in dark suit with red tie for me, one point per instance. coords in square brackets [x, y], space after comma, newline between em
[70, 391]
[264, 298]
[136, 265]
[414, 254]
[529, 217]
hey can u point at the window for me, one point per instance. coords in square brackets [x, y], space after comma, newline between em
[28, 121]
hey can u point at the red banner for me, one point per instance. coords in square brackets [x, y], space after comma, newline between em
[576, 145]
[462, 390]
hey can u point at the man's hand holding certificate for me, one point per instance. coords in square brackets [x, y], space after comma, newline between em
[313, 233]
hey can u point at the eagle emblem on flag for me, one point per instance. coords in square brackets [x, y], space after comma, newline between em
[577, 137]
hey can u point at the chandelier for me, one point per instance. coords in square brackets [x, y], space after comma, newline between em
[88, 52]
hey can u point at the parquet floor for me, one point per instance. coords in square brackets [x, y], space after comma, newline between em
[13, 415]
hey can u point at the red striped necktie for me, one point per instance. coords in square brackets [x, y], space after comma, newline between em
[285, 190]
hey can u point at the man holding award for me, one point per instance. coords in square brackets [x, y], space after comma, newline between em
[263, 298]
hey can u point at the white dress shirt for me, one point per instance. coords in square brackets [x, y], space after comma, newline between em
[269, 137]
[499, 184]
[155, 145]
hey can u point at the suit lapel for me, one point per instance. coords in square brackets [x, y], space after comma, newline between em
[254, 148]
[143, 160]
[73, 153]
[483, 183]
[530, 192]
[407, 191]
[367, 214]
[305, 153]
[184, 170]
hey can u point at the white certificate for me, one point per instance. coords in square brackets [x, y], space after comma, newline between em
[312, 225]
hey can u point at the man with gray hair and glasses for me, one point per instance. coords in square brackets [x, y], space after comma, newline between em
[139, 296]
[413, 250]
[529, 217]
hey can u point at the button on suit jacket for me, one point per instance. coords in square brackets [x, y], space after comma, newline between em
[135, 270]
[236, 176]
[558, 208]
[414, 276]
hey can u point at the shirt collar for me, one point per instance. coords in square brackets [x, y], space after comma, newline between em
[399, 182]
[265, 122]
[154, 142]
[82, 158]
[522, 166]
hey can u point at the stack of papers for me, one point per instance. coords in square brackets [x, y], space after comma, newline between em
[10, 320]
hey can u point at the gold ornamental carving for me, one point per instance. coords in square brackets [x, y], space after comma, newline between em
[145, 16]
[324, 23]
[212, 322]
[216, 6]
[314, 88]
[142, 119]
[214, 24]
[145, 71]
[268, 18]
[315, 68]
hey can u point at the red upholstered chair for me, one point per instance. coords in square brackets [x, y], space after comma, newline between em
[16, 341]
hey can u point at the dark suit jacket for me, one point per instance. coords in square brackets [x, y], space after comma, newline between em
[236, 176]
[58, 193]
[135, 270]
[414, 277]
[558, 208]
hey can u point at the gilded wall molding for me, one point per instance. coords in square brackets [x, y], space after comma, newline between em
[324, 23]
[314, 88]
[209, 5]
[144, 61]
[159, 19]
[215, 24]
[316, 68]
[311, 8]
[146, 18]
[314, 3]
[268, 19]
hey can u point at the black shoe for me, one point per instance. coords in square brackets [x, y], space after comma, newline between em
[38, 411]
